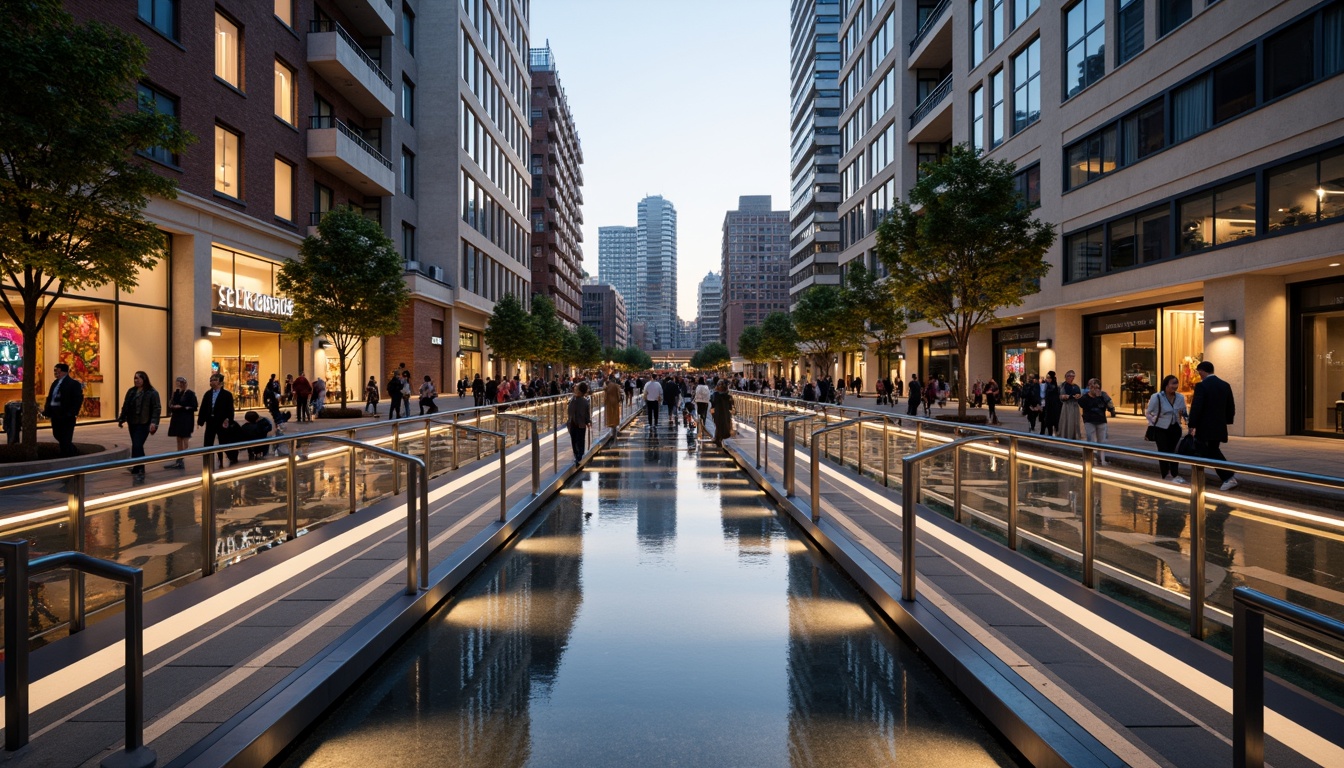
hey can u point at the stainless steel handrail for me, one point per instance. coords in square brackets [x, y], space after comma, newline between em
[1249, 608]
[536, 446]
[815, 478]
[910, 498]
[503, 464]
[18, 569]
[761, 424]
[790, 456]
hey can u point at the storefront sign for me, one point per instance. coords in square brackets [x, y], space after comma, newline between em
[468, 341]
[436, 341]
[1009, 335]
[1125, 322]
[941, 342]
[1322, 298]
[241, 301]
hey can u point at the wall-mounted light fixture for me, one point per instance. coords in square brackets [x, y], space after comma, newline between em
[900, 355]
[1043, 343]
[1223, 326]
[323, 344]
[211, 331]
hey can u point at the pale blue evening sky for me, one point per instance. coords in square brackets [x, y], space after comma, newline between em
[688, 99]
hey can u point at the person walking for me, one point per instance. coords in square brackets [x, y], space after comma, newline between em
[303, 389]
[1211, 412]
[319, 395]
[916, 396]
[653, 396]
[671, 400]
[930, 394]
[371, 397]
[1033, 402]
[1052, 405]
[64, 400]
[395, 395]
[427, 395]
[613, 395]
[991, 393]
[461, 387]
[140, 412]
[1166, 410]
[701, 398]
[579, 420]
[270, 399]
[216, 412]
[182, 405]
[1094, 405]
[289, 389]
[721, 408]
[478, 391]
[1070, 413]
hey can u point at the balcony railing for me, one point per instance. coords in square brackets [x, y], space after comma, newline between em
[327, 25]
[929, 24]
[318, 122]
[931, 101]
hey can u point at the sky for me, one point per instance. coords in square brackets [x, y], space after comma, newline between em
[688, 99]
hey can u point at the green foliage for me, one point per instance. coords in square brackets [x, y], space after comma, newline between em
[749, 344]
[547, 343]
[71, 186]
[589, 347]
[779, 339]
[825, 325]
[346, 285]
[508, 332]
[875, 304]
[714, 355]
[632, 359]
[964, 247]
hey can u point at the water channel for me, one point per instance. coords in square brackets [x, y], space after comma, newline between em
[659, 611]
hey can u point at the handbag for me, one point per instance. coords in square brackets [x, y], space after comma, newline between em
[1151, 433]
[1188, 446]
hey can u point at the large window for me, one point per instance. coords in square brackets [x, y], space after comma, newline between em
[284, 11]
[1028, 184]
[978, 118]
[153, 100]
[1306, 191]
[977, 32]
[1222, 216]
[284, 190]
[408, 101]
[1027, 86]
[1023, 9]
[996, 115]
[1142, 132]
[408, 28]
[1140, 239]
[323, 200]
[1290, 59]
[407, 241]
[1172, 14]
[1129, 36]
[407, 172]
[1234, 87]
[161, 15]
[1085, 45]
[228, 51]
[1084, 252]
[227, 162]
[1091, 157]
[284, 93]
[998, 23]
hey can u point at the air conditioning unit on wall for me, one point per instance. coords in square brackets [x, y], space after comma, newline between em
[412, 266]
[436, 273]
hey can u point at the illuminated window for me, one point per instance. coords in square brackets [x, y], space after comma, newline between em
[284, 190]
[227, 162]
[284, 92]
[228, 50]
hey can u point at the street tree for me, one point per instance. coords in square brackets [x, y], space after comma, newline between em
[508, 332]
[713, 355]
[346, 286]
[779, 339]
[749, 343]
[588, 347]
[73, 175]
[547, 333]
[825, 328]
[964, 247]
[874, 304]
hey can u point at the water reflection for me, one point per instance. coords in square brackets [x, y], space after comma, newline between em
[659, 613]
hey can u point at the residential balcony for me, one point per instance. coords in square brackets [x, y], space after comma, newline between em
[334, 146]
[335, 55]
[933, 116]
[931, 47]
[371, 17]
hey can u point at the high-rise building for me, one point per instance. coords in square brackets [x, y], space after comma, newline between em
[656, 276]
[604, 312]
[557, 197]
[755, 265]
[1221, 250]
[618, 263]
[814, 90]
[709, 306]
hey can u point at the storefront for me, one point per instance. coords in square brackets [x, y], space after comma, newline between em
[1131, 351]
[1016, 354]
[938, 357]
[1317, 358]
[104, 334]
[247, 343]
[468, 353]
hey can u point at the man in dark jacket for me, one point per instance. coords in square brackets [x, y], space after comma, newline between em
[64, 400]
[478, 391]
[394, 396]
[1210, 413]
[216, 412]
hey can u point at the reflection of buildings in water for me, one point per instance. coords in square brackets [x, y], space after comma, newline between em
[652, 482]
[748, 522]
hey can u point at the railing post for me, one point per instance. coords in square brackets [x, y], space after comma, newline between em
[292, 485]
[208, 514]
[424, 522]
[1197, 553]
[429, 434]
[1012, 493]
[759, 424]
[789, 430]
[503, 480]
[477, 435]
[919, 436]
[135, 753]
[353, 458]
[75, 504]
[886, 453]
[814, 479]
[956, 483]
[555, 437]
[454, 441]
[842, 440]
[1248, 684]
[15, 556]
[396, 446]
[412, 536]
[858, 451]
[1089, 524]
[909, 498]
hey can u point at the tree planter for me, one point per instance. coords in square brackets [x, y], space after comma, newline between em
[968, 419]
[340, 413]
[49, 458]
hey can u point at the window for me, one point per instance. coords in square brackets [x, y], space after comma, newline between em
[977, 32]
[1190, 109]
[1028, 184]
[1027, 86]
[1332, 40]
[407, 172]
[152, 100]
[1090, 158]
[407, 101]
[227, 162]
[284, 11]
[284, 92]
[1022, 9]
[407, 241]
[228, 48]
[1139, 239]
[1084, 53]
[996, 116]
[1172, 14]
[1083, 253]
[978, 118]
[1234, 87]
[1142, 132]
[1290, 58]
[322, 202]
[1219, 217]
[161, 15]
[998, 24]
[1306, 191]
[284, 190]
[1129, 36]
[408, 28]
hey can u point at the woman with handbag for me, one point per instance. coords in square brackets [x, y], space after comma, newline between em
[1166, 410]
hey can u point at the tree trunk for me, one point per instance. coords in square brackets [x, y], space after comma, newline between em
[28, 432]
[964, 369]
[340, 351]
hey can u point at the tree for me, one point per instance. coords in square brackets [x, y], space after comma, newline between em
[508, 332]
[874, 303]
[825, 327]
[779, 339]
[637, 359]
[346, 285]
[71, 185]
[964, 246]
[749, 343]
[547, 340]
[589, 347]
[714, 355]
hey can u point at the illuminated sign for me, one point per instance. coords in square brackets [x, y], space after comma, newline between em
[436, 341]
[240, 301]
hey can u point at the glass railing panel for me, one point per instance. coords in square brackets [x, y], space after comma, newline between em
[1143, 545]
[984, 489]
[251, 508]
[159, 532]
[375, 477]
[321, 486]
[440, 456]
[1050, 527]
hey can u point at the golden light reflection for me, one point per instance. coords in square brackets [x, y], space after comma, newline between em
[551, 545]
[822, 616]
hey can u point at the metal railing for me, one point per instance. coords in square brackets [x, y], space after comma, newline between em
[815, 463]
[910, 501]
[320, 26]
[762, 422]
[929, 24]
[935, 97]
[320, 122]
[18, 569]
[1248, 665]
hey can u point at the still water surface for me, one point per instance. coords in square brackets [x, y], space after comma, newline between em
[658, 612]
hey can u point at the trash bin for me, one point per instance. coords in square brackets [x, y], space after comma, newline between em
[13, 420]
